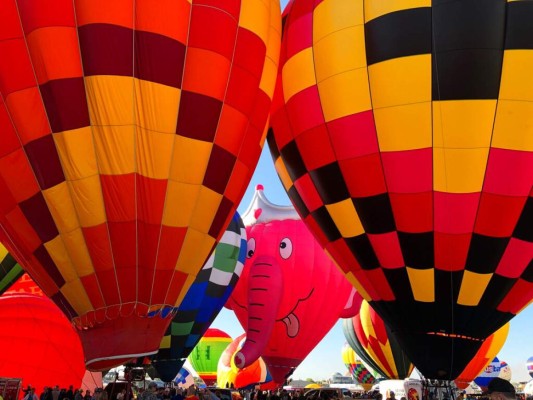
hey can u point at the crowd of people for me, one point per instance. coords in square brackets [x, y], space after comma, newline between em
[55, 393]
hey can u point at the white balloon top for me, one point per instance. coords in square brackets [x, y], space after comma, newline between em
[261, 210]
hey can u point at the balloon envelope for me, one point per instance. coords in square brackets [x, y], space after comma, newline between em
[408, 152]
[10, 270]
[205, 355]
[203, 301]
[229, 375]
[505, 371]
[184, 379]
[486, 353]
[380, 343]
[491, 371]
[529, 366]
[290, 293]
[130, 130]
[357, 370]
[39, 344]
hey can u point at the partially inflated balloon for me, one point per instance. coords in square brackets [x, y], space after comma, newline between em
[357, 370]
[290, 293]
[10, 270]
[229, 375]
[380, 343]
[403, 134]
[205, 355]
[130, 130]
[203, 301]
[486, 353]
[39, 344]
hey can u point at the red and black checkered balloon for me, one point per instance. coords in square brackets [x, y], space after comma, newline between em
[403, 134]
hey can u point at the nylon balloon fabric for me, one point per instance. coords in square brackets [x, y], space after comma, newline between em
[357, 370]
[130, 130]
[204, 300]
[10, 270]
[205, 355]
[402, 132]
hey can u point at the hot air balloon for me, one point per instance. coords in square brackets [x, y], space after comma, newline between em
[205, 355]
[229, 375]
[483, 357]
[379, 343]
[130, 130]
[505, 371]
[290, 293]
[10, 270]
[184, 378]
[39, 344]
[353, 340]
[403, 134]
[357, 370]
[203, 301]
[529, 366]
[491, 371]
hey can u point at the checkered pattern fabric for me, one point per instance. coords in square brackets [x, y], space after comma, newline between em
[356, 368]
[403, 134]
[129, 131]
[203, 301]
[10, 270]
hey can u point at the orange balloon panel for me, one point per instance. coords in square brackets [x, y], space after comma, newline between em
[486, 353]
[130, 130]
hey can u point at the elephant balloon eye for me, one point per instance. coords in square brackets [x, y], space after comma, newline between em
[250, 248]
[285, 248]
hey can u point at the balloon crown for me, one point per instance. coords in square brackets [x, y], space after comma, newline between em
[261, 210]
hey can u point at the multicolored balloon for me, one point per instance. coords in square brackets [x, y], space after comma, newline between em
[357, 370]
[205, 355]
[184, 378]
[290, 293]
[203, 301]
[380, 343]
[39, 344]
[491, 371]
[403, 134]
[488, 350]
[10, 270]
[130, 131]
[529, 366]
[229, 375]
[353, 340]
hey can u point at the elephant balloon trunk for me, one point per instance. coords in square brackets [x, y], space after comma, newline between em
[264, 297]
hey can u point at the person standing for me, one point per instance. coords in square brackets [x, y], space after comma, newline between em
[500, 389]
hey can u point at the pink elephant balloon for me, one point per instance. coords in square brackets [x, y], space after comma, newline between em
[290, 293]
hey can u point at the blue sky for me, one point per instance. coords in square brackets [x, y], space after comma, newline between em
[326, 359]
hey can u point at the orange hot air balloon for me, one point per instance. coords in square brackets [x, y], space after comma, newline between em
[403, 134]
[130, 130]
[486, 353]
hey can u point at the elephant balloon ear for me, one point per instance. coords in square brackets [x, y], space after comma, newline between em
[352, 305]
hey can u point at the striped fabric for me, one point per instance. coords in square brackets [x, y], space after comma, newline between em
[129, 131]
[204, 300]
[403, 134]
